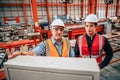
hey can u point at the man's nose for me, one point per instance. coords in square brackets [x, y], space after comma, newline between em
[59, 31]
[88, 27]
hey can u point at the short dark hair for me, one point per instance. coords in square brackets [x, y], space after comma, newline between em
[94, 23]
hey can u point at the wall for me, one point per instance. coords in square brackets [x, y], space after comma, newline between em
[23, 10]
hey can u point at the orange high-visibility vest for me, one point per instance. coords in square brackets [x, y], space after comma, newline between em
[96, 49]
[52, 51]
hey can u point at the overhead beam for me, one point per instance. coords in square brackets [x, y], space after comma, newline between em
[34, 10]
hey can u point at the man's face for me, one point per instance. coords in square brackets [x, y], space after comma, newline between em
[57, 32]
[90, 28]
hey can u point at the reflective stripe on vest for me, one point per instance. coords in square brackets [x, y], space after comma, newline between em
[80, 46]
[83, 46]
[52, 51]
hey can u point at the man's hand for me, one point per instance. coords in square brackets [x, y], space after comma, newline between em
[30, 53]
[14, 54]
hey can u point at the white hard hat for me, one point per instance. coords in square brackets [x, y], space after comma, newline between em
[91, 18]
[57, 22]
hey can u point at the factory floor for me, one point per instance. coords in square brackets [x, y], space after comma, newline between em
[112, 71]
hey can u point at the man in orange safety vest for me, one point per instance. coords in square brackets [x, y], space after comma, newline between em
[56, 46]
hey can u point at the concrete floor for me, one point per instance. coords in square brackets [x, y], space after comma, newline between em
[112, 71]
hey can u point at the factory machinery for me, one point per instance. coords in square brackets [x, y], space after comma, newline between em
[22, 32]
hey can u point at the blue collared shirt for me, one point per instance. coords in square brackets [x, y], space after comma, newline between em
[41, 50]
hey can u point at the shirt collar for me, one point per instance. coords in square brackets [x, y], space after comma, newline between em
[54, 42]
[90, 37]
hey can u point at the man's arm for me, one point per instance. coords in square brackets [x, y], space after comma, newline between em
[31, 53]
[38, 50]
[76, 50]
[109, 54]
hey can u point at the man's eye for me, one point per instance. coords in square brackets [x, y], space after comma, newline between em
[89, 25]
[56, 29]
[86, 25]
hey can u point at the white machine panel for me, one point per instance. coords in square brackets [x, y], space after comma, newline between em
[51, 68]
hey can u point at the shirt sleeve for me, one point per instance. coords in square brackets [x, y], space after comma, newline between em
[40, 49]
[76, 50]
[109, 54]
